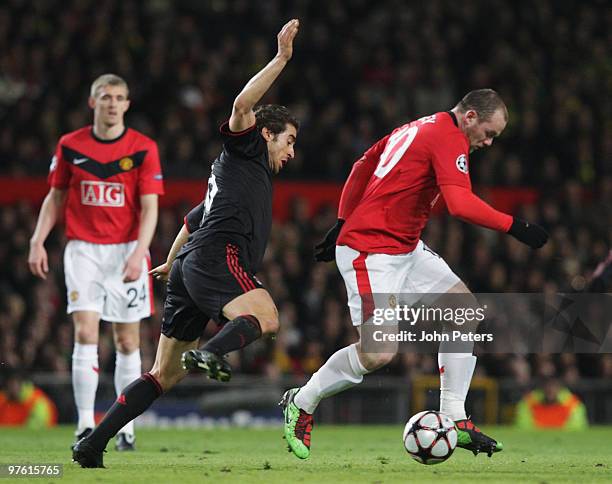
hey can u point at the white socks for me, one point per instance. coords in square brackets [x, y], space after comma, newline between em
[127, 369]
[341, 371]
[456, 370]
[344, 370]
[85, 383]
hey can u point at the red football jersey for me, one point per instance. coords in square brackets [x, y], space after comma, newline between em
[411, 164]
[105, 179]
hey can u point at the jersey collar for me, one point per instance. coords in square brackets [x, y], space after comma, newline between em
[453, 117]
[107, 141]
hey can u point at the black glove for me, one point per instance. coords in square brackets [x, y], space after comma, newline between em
[325, 251]
[531, 234]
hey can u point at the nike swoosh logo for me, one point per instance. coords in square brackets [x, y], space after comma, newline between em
[78, 161]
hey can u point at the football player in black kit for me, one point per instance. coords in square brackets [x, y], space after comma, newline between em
[211, 265]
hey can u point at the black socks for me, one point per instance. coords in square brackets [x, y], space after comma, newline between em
[140, 394]
[134, 400]
[236, 334]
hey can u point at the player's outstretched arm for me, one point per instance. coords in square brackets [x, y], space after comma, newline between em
[463, 204]
[243, 116]
[162, 271]
[192, 223]
[49, 213]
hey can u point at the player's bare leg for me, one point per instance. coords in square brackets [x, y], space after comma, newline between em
[167, 369]
[250, 316]
[135, 399]
[456, 370]
[126, 337]
[85, 368]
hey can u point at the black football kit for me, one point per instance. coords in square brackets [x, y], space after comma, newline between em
[229, 231]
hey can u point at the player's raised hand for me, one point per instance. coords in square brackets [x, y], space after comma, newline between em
[285, 39]
[38, 261]
[161, 272]
[132, 268]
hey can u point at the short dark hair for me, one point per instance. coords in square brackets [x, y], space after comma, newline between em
[485, 102]
[275, 117]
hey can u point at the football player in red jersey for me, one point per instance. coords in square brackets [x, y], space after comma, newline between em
[385, 205]
[106, 178]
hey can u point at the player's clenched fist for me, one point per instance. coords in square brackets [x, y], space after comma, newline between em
[285, 38]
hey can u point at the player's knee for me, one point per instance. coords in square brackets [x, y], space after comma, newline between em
[374, 361]
[267, 317]
[269, 324]
[86, 334]
[126, 344]
[386, 358]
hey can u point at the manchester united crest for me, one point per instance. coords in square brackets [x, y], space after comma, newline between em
[126, 164]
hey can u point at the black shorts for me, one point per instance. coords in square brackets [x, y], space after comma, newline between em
[201, 283]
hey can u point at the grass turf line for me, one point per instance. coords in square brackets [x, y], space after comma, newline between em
[339, 454]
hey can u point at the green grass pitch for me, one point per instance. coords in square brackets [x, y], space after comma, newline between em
[371, 454]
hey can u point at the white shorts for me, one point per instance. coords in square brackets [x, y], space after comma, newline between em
[421, 271]
[94, 280]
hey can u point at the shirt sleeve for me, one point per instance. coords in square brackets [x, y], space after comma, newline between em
[150, 177]
[194, 218]
[450, 159]
[246, 144]
[463, 204]
[59, 170]
[360, 176]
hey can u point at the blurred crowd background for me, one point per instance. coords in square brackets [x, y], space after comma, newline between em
[360, 68]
